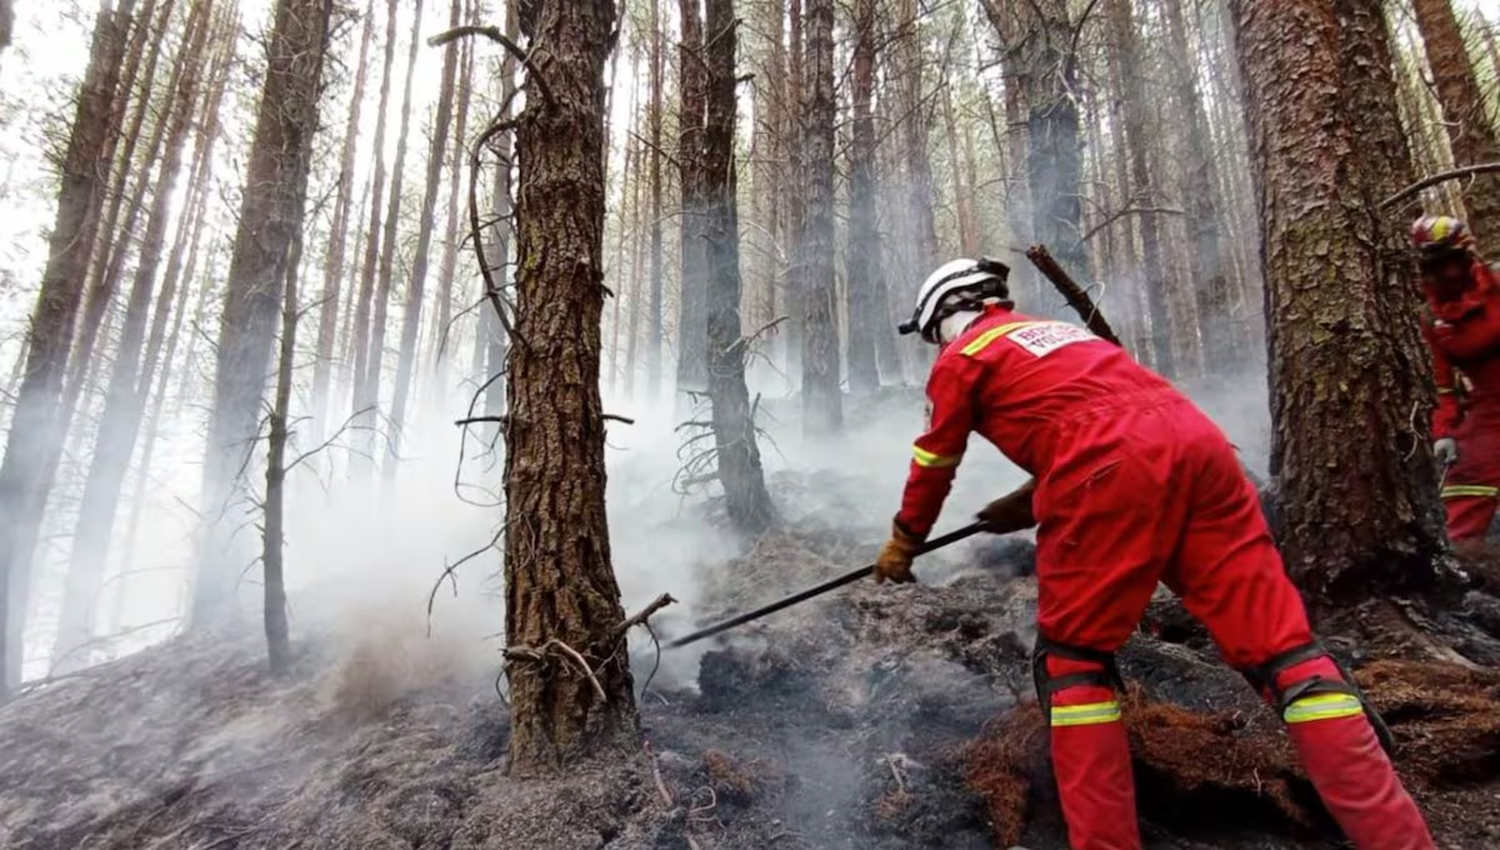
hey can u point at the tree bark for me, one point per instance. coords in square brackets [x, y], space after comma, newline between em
[561, 593]
[1359, 493]
[868, 316]
[915, 137]
[23, 490]
[338, 237]
[416, 285]
[130, 376]
[1469, 129]
[737, 455]
[270, 217]
[822, 400]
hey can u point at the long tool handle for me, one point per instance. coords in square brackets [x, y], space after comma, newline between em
[832, 584]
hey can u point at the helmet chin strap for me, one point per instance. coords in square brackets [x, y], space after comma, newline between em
[952, 326]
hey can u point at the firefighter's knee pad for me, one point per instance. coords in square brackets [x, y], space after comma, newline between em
[1106, 675]
[1314, 697]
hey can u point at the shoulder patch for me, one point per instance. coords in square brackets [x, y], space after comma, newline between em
[1043, 339]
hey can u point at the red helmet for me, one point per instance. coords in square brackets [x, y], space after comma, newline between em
[1440, 234]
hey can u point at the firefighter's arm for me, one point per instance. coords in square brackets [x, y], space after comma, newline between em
[936, 454]
[1446, 415]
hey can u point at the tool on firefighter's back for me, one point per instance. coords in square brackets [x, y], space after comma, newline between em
[832, 584]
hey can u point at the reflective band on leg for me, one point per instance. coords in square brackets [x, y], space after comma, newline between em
[1322, 707]
[1086, 714]
[1462, 491]
[926, 458]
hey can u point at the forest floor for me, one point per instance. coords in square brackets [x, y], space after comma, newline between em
[875, 717]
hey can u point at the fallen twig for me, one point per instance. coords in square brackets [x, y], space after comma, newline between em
[661, 785]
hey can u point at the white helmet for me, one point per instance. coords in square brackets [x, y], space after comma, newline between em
[976, 280]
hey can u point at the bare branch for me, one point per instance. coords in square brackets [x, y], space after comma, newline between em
[1443, 177]
[494, 34]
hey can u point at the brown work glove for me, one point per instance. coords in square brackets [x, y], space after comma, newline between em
[894, 561]
[1011, 512]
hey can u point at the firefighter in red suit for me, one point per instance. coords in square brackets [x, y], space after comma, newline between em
[1132, 485]
[1462, 327]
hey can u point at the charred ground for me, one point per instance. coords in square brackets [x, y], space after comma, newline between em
[879, 718]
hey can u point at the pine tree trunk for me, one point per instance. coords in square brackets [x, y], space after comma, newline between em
[822, 400]
[1207, 266]
[655, 331]
[1469, 128]
[375, 359]
[23, 490]
[867, 316]
[443, 318]
[1139, 192]
[796, 188]
[692, 322]
[638, 262]
[1359, 493]
[416, 285]
[125, 402]
[270, 217]
[338, 237]
[737, 455]
[492, 337]
[273, 535]
[916, 139]
[560, 587]
[365, 300]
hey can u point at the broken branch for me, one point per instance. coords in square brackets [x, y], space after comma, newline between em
[1443, 177]
[494, 34]
[1073, 293]
[659, 603]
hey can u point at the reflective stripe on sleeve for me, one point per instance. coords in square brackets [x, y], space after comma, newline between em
[1087, 714]
[983, 341]
[1470, 491]
[936, 461]
[1322, 707]
[1445, 391]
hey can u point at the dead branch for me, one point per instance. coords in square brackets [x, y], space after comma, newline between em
[661, 785]
[539, 655]
[1076, 297]
[611, 417]
[449, 574]
[1443, 177]
[348, 424]
[494, 34]
[1129, 210]
[659, 603]
[472, 420]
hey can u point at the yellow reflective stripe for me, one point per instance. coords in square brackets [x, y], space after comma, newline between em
[926, 458]
[1087, 714]
[1440, 228]
[1460, 491]
[983, 341]
[1446, 391]
[1322, 707]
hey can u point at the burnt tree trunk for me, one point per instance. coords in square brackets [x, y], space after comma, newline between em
[561, 593]
[1359, 492]
[270, 217]
[822, 400]
[416, 285]
[864, 269]
[737, 455]
[654, 338]
[1469, 129]
[23, 492]
[692, 303]
[130, 375]
[338, 237]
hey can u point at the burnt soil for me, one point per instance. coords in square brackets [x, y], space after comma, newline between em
[872, 718]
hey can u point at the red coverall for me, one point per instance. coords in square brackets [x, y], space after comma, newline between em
[1465, 333]
[1135, 485]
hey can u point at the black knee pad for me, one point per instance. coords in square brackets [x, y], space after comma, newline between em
[1047, 685]
[1293, 702]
